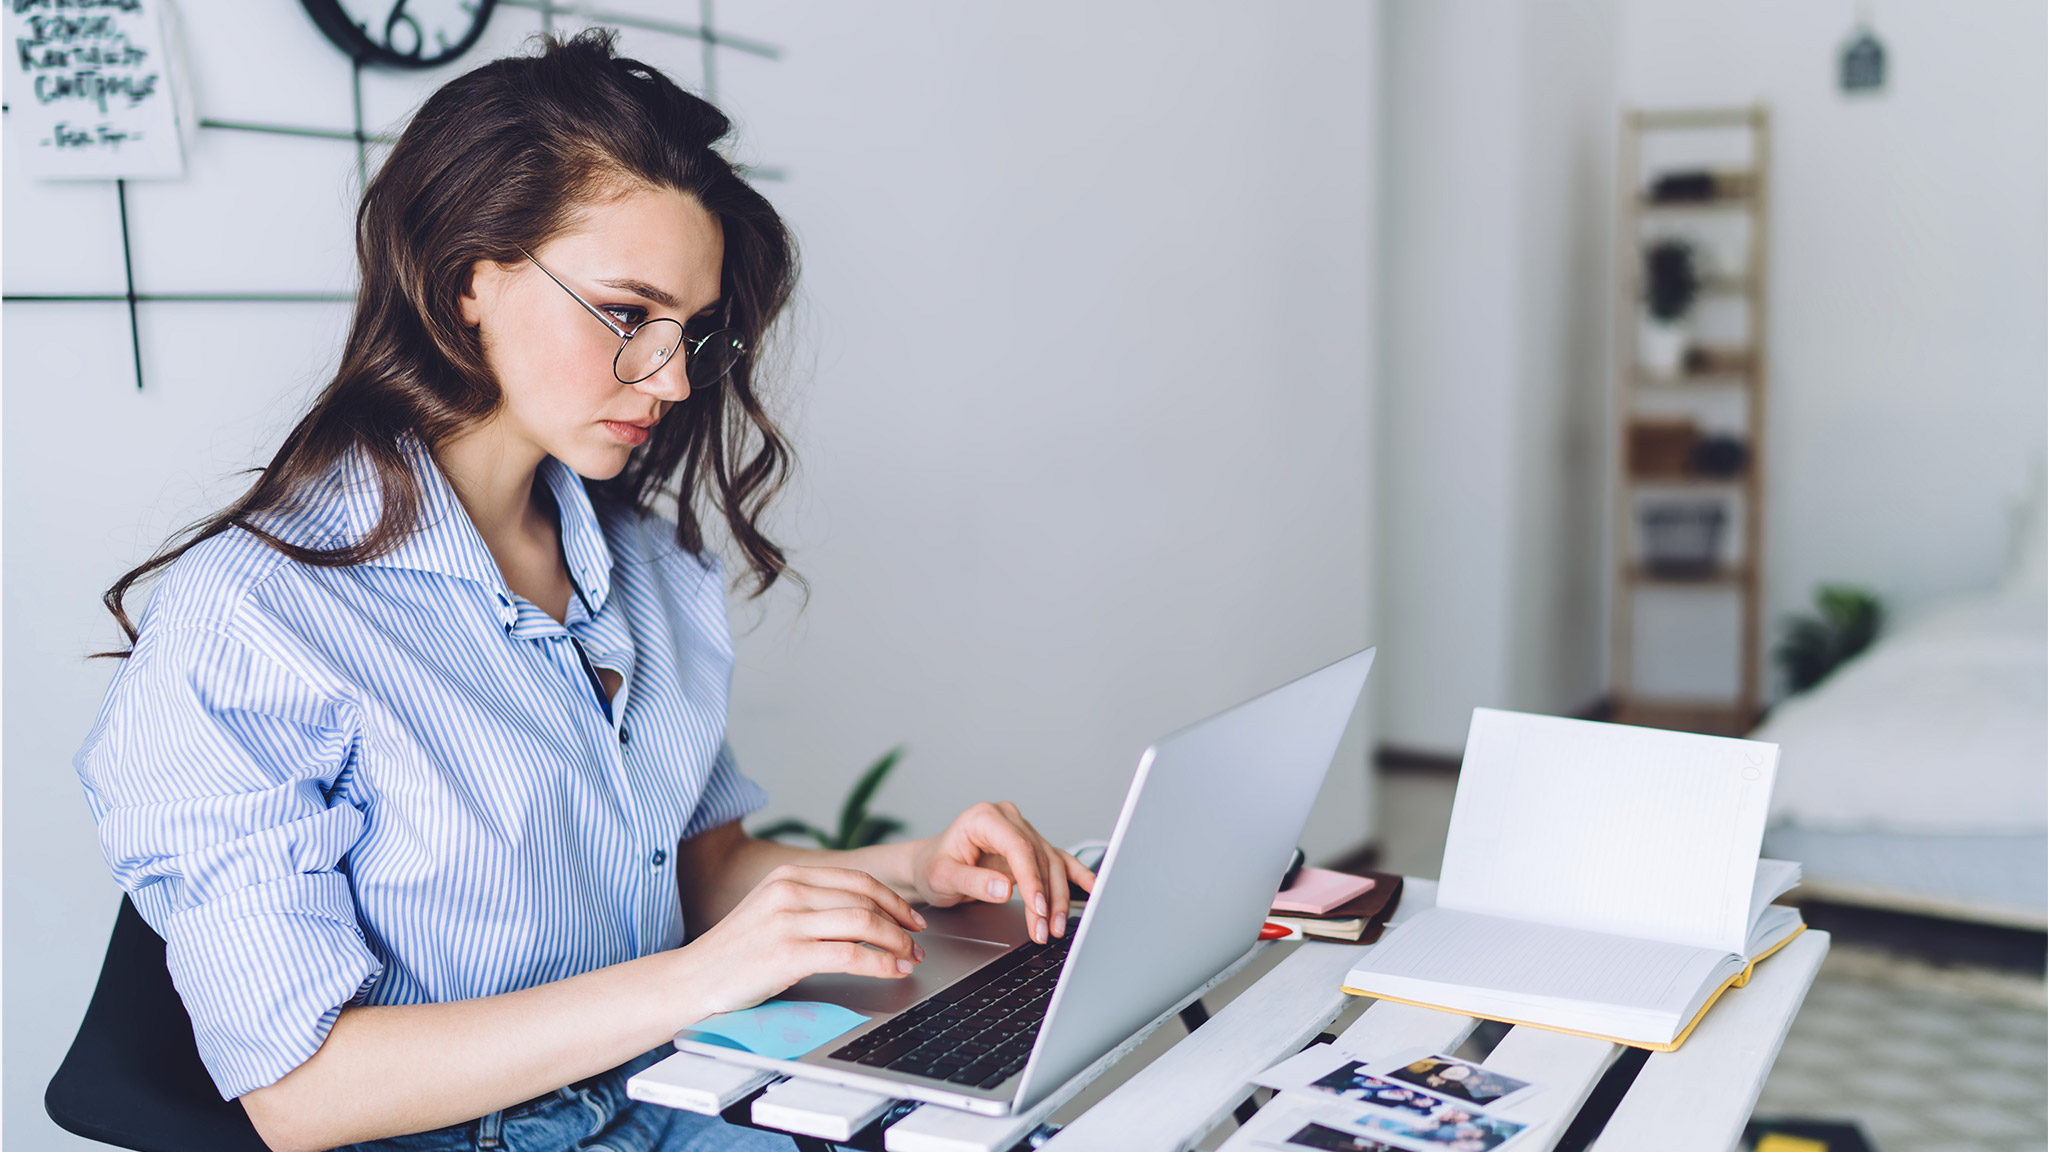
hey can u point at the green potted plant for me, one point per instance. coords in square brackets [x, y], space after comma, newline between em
[1671, 284]
[1814, 646]
[858, 827]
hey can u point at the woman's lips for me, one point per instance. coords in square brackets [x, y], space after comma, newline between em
[632, 435]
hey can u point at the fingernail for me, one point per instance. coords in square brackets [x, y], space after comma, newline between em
[999, 890]
[1038, 903]
[904, 966]
[1038, 931]
[917, 952]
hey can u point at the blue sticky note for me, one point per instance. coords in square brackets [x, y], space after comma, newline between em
[778, 1029]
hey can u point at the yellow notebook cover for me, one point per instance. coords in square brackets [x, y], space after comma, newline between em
[1738, 980]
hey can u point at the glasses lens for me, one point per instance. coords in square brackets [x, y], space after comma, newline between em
[650, 346]
[714, 356]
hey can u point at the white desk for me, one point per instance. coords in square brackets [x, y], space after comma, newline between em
[1693, 1100]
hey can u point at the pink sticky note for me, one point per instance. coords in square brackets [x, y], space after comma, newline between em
[1317, 890]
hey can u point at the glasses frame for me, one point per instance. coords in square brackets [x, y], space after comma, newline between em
[688, 346]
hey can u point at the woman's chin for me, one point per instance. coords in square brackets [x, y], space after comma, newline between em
[600, 462]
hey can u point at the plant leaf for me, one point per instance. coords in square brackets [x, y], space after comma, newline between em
[855, 813]
[1814, 646]
[874, 830]
[793, 827]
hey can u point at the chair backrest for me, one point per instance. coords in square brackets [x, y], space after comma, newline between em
[133, 1077]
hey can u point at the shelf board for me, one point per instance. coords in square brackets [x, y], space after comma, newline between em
[1725, 576]
[1735, 482]
[1724, 378]
[1670, 118]
[1721, 203]
[1712, 718]
[1718, 286]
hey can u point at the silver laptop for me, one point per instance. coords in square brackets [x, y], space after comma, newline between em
[992, 1022]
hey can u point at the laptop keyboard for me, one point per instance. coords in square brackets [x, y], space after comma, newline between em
[976, 1033]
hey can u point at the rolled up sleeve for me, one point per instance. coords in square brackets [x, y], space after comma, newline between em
[212, 773]
[727, 795]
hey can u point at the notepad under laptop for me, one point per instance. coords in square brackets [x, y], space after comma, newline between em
[1598, 879]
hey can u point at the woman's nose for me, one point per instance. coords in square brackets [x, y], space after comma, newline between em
[670, 382]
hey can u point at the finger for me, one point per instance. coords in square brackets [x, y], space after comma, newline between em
[1051, 872]
[818, 888]
[1078, 872]
[862, 926]
[954, 880]
[1055, 885]
[1006, 839]
[852, 959]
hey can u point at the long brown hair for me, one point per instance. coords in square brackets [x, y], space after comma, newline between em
[497, 161]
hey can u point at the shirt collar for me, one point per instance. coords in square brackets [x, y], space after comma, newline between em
[446, 541]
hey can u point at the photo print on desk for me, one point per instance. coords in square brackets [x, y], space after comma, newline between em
[1327, 1139]
[1462, 1129]
[1458, 1079]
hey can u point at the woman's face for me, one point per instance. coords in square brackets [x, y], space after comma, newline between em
[637, 255]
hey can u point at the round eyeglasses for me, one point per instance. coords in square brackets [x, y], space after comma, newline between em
[645, 348]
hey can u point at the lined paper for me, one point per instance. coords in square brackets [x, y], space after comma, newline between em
[1519, 959]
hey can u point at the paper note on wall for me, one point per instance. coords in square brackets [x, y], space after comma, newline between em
[94, 89]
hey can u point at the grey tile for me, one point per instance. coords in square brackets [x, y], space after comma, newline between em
[1981, 1121]
[2009, 1087]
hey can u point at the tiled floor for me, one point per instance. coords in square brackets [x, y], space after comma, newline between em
[1921, 1059]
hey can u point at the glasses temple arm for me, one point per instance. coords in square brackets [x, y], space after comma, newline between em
[603, 319]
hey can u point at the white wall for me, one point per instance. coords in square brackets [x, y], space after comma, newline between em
[1909, 280]
[1085, 422]
[1494, 286]
[1082, 380]
[1908, 325]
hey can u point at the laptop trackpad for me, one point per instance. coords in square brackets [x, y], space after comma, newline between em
[950, 952]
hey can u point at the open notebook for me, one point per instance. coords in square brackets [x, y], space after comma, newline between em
[1598, 879]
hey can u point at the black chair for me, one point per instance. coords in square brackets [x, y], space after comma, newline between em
[133, 1077]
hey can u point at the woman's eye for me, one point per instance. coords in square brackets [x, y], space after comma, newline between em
[627, 315]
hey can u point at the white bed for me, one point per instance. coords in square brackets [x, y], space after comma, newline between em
[1916, 777]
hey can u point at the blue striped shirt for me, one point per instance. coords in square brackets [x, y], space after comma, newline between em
[393, 783]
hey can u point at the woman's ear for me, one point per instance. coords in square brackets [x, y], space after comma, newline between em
[486, 281]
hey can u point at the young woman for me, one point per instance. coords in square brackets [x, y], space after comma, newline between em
[416, 759]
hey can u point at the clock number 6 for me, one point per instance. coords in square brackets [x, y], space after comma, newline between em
[399, 16]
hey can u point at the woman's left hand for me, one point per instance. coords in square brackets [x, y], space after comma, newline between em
[988, 848]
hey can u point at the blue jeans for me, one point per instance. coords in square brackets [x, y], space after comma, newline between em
[592, 1116]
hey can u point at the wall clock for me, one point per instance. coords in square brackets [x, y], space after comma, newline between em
[401, 33]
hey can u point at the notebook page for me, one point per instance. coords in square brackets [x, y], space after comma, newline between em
[1633, 831]
[1526, 960]
[1774, 878]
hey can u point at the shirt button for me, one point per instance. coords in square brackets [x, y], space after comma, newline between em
[660, 857]
[626, 737]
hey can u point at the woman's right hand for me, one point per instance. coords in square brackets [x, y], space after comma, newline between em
[800, 921]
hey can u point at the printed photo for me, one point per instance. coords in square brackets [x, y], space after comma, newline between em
[1449, 1076]
[1350, 1081]
[1328, 1139]
[1454, 1129]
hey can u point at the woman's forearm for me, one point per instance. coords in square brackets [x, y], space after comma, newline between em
[719, 867]
[389, 1070]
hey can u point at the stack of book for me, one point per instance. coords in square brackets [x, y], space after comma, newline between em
[1336, 906]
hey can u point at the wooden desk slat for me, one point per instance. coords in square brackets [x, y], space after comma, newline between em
[1389, 1028]
[815, 1108]
[935, 1129]
[1566, 1066]
[1180, 1096]
[1697, 1098]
